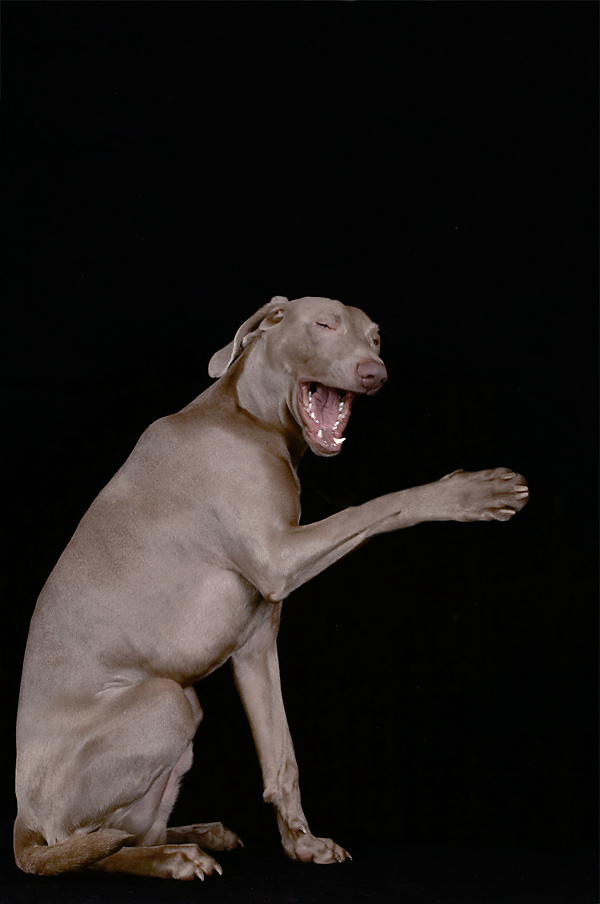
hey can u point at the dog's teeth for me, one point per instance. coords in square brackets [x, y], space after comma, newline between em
[313, 415]
[339, 442]
[320, 434]
[341, 405]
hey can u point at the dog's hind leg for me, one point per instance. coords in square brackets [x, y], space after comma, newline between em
[123, 777]
[170, 853]
[151, 856]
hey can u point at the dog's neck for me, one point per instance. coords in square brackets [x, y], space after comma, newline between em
[258, 392]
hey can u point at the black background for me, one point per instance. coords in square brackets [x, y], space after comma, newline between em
[170, 167]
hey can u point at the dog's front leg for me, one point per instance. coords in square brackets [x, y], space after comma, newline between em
[256, 671]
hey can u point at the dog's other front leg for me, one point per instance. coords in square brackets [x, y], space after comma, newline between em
[256, 671]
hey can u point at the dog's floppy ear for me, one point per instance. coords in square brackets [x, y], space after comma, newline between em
[269, 315]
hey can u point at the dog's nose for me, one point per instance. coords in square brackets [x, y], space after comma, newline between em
[372, 374]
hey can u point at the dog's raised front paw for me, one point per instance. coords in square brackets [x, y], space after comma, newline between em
[493, 495]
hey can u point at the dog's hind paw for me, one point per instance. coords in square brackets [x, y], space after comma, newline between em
[184, 861]
[211, 835]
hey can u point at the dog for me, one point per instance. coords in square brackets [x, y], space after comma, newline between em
[182, 563]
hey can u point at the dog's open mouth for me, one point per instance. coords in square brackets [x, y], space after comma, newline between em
[325, 413]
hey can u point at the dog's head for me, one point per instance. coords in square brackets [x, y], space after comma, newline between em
[322, 354]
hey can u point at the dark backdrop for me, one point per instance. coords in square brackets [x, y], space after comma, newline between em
[170, 167]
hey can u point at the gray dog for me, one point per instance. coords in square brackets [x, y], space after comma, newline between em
[182, 563]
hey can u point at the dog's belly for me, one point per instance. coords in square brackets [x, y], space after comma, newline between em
[181, 626]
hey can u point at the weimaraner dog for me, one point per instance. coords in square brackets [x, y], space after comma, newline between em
[182, 563]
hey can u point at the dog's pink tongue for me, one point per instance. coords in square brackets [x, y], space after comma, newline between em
[326, 403]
